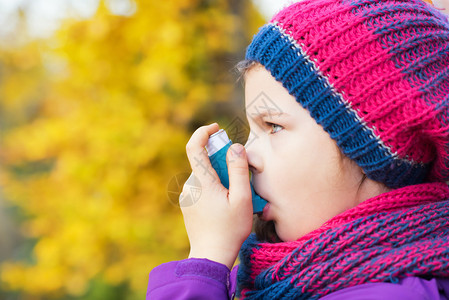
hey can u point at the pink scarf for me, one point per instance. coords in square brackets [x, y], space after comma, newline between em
[397, 234]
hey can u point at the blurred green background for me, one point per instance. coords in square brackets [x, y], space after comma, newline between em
[94, 118]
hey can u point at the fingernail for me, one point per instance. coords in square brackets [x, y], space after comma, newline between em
[237, 150]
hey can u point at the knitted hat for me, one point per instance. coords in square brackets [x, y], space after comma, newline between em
[374, 74]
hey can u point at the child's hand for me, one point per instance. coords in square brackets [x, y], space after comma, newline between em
[218, 221]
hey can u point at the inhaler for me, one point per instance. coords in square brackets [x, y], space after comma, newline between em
[217, 147]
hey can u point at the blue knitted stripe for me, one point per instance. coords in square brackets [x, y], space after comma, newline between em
[244, 272]
[286, 61]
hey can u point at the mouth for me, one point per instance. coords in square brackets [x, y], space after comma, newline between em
[265, 214]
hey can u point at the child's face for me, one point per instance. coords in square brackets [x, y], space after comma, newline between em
[296, 166]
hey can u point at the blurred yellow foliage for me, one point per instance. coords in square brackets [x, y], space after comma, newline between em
[95, 122]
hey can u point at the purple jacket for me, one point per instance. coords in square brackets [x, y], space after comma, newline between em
[195, 278]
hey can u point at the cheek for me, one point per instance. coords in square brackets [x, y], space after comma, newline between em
[288, 169]
[304, 161]
[301, 154]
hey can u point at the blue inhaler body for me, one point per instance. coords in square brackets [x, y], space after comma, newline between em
[217, 147]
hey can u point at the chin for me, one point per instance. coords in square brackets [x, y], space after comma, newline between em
[283, 236]
[286, 235]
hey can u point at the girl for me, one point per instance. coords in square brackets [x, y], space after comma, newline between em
[353, 163]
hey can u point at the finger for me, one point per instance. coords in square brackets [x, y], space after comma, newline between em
[197, 155]
[239, 186]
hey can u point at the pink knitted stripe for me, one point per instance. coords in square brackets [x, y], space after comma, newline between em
[331, 44]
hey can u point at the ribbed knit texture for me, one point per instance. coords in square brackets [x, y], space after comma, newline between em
[374, 74]
[394, 235]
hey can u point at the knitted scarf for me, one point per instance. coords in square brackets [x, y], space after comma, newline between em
[394, 235]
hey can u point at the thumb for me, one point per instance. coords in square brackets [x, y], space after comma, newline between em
[239, 186]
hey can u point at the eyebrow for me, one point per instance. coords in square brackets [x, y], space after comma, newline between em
[266, 113]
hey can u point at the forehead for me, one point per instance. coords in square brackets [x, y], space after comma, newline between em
[263, 106]
[265, 95]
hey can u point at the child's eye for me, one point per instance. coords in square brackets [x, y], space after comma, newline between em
[275, 127]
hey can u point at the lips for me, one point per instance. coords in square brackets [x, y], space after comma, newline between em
[265, 215]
